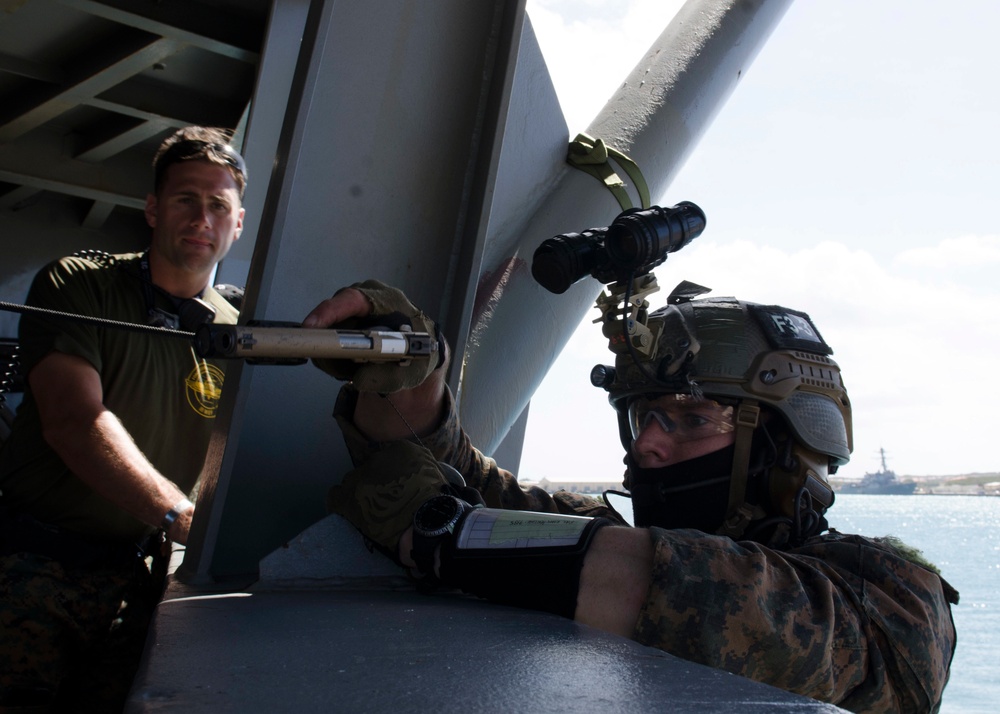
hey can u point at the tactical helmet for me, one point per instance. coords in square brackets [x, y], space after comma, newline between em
[752, 356]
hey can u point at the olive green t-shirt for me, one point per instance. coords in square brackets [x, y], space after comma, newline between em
[161, 391]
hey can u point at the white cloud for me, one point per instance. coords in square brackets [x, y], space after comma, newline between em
[963, 252]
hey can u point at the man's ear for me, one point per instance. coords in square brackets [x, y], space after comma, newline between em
[150, 210]
[239, 225]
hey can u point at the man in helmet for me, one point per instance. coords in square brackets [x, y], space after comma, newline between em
[731, 424]
[747, 393]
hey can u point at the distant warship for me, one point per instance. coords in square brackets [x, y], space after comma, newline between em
[883, 481]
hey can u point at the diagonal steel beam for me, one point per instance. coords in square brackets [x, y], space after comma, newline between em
[32, 70]
[116, 107]
[57, 100]
[98, 214]
[16, 199]
[99, 149]
[38, 162]
[170, 102]
[194, 24]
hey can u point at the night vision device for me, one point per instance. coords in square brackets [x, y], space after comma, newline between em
[620, 256]
[633, 244]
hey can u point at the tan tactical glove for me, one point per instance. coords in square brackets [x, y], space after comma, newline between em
[380, 496]
[391, 310]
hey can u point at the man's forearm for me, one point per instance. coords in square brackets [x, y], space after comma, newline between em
[96, 446]
[101, 453]
[615, 580]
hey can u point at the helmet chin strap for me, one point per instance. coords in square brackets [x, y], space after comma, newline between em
[740, 513]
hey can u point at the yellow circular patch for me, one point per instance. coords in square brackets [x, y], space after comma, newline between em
[204, 389]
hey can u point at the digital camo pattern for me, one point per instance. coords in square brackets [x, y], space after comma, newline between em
[70, 627]
[843, 619]
[498, 487]
[381, 495]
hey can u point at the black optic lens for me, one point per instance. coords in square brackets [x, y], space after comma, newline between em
[642, 238]
[563, 260]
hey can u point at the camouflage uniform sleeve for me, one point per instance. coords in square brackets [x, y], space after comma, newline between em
[843, 619]
[449, 443]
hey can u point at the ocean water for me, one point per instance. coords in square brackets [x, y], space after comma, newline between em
[961, 535]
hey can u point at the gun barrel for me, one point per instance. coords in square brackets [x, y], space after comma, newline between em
[296, 343]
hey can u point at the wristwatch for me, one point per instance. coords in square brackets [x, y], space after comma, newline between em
[434, 522]
[174, 513]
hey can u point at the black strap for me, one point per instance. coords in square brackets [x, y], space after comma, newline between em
[183, 317]
[537, 578]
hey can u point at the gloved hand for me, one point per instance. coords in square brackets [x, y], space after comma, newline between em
[380, 497]
[390, 309]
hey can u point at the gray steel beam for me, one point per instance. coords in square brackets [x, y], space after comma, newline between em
[31, 70]
[97, 150]
[377, 182]
[156, 99]
[132, 57]
[39, 163]
[17, 198]
[258, 131]
[195, 24]
[98, 214]
[265, 153]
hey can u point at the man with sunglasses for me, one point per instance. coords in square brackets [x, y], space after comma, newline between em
[111, 437]
[730, 425]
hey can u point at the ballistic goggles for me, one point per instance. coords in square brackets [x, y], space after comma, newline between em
[684, 417]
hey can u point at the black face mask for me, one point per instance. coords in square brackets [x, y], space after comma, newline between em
[691, 494]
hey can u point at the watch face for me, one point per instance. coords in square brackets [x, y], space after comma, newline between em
[437, 515]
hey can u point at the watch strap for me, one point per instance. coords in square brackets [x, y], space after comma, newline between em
[174, 513]
[423, 551]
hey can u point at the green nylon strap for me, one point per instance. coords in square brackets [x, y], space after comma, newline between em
[592, 156]
[740, 513]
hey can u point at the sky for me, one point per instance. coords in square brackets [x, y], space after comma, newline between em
[853, 174]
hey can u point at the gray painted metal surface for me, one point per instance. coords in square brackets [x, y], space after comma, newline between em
[384, 651]
[307, 638]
